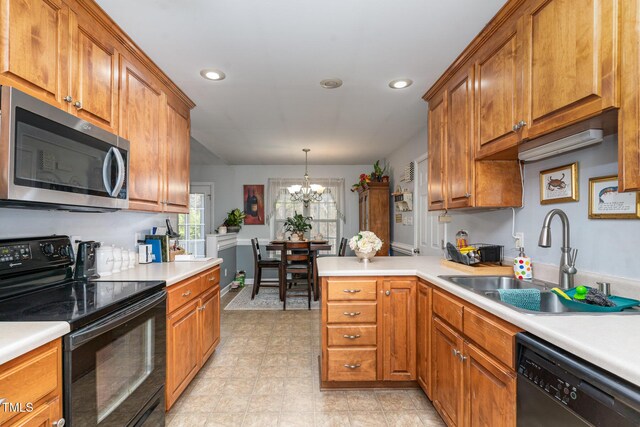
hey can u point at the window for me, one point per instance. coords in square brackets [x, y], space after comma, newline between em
[194, 226]
[326, 216]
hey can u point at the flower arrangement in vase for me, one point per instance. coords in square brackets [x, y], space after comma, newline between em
[378, 175]
[365, 244]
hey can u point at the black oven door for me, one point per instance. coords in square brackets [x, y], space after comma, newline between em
[115, 367]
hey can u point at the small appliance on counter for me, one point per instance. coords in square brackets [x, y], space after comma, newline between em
[145, 254]
[86, 261]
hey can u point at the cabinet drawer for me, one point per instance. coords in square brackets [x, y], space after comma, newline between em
[351, 313]
[210, 278]
[497, 339]
[351, 364]
[30, 377]
[351, 335]
[448, 309]
[182, 293]
[351, 290]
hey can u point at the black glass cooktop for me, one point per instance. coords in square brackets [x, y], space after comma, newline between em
[76, 302]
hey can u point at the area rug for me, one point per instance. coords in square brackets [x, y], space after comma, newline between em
[268, 299]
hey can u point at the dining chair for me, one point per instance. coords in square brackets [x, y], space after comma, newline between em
[297, 262]
[342, 249]
[260, 264]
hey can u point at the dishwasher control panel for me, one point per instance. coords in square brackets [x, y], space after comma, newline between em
[555, 386]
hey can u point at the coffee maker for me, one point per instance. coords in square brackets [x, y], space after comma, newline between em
[86, 267]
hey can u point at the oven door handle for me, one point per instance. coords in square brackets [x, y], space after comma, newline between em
[82, 336]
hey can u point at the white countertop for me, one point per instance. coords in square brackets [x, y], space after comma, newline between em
[608, 341]
[170, 272]
[18, 338]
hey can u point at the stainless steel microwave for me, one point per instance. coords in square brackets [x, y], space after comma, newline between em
[54, 160]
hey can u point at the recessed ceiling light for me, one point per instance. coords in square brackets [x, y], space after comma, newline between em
[331, 83]
[212, 74]
[400, 83]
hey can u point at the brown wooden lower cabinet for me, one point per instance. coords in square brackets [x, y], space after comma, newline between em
[416, 334]
[193, 329]
[36, 378]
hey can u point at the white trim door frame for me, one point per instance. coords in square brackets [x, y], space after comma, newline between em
[209, 213]
[428, 232]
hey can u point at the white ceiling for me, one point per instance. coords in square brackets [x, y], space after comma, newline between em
[275, 52]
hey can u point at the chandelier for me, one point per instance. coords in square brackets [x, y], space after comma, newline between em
[307, 192]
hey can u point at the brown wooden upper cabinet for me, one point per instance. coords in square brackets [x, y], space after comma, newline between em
[569, 67]
[459, 148]
[498, 85]
[35, 51]
[94, 81]
[72, 55]
[142, 114]
[177, 158]
[437, 141]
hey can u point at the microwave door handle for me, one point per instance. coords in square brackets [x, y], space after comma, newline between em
[106, 175]
[121, 172]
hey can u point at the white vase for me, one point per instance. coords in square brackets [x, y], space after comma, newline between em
[365, 257]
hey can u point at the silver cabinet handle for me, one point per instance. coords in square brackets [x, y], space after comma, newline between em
[467, 195]
[351, 337]
[352, 314]
[521, 124]
[356, 366]
[212, 279]
[60, 423]
[351, 291]
[515, 128]
[387, 293]
[462, 357]
[77, 104]
[67, 99]
[186, 294]
[455, 352]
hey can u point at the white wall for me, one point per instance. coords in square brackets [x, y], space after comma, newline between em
[396, 162]
[605, 246]
[230, 179]
[117, 228]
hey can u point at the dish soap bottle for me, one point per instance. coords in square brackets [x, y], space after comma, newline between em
[522, 267]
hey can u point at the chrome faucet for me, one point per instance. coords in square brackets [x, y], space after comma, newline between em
[568, 257]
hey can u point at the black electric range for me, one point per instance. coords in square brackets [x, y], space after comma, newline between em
[114, 357]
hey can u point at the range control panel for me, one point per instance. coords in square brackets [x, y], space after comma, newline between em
[33, 254]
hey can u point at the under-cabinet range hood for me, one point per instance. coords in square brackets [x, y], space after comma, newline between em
[569, 143]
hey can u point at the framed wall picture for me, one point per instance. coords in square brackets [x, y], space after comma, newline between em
[559, 184]
[606, 203]
[253, 197]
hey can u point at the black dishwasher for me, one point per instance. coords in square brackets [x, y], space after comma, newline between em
[558, 389]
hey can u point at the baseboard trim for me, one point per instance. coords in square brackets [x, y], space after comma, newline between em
[402, 248]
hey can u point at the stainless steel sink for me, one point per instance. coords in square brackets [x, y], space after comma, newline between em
[491, 283]
[487, 286]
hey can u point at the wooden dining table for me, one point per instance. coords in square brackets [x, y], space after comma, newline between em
[315, 247]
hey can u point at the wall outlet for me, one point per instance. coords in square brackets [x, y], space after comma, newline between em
[519, 240]
[225, 272]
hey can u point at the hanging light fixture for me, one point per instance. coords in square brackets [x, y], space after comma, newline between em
[306, 192]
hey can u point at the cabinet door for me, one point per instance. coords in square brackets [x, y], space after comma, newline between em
[629, 114]
[142, 122]
[35, 48]
[490, 390]
[447, 372]
[570, 62]
[209, 322]
[94, 69]
[437, 139]
[399, 330]
[498, 96]
[459, 157]
[177, 159]
[183, 350]
[423, 340]
[43, 416]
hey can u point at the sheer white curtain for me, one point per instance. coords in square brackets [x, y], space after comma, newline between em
[278, 187]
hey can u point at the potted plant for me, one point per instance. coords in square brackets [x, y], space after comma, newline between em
[298, 224]
[378, 173]
[234, 220]
[362, 183]
[365, 244]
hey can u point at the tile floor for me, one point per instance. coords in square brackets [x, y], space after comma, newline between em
[265, 373]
